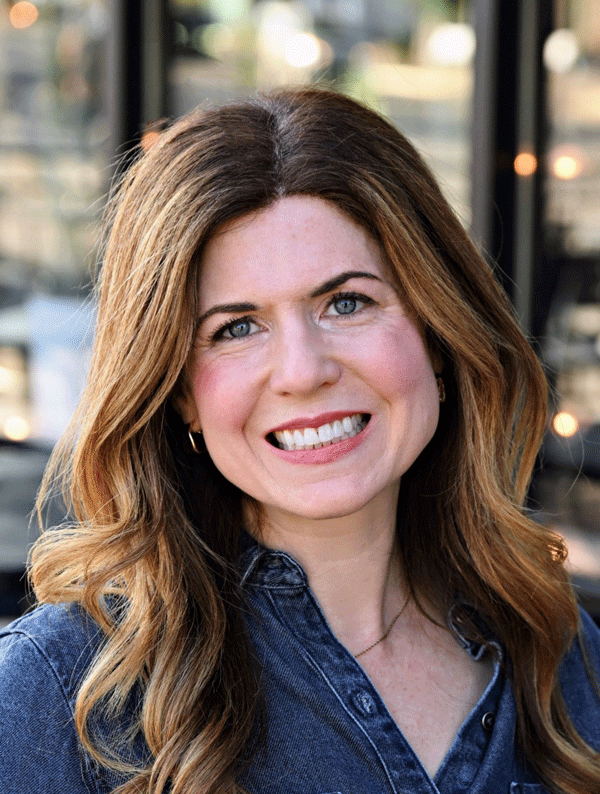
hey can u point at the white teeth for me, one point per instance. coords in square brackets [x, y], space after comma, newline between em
[323, 436]
[311, 437]
[325, 433]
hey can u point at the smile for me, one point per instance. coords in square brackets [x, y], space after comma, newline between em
[326, 435]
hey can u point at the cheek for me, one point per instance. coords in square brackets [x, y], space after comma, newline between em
[400, 366]
[223, 392]
[408, 384]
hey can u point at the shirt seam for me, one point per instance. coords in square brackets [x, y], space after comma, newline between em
[84, 761]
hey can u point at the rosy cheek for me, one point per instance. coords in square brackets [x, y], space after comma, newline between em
[402, 364]
[208, 381]
[223, 394]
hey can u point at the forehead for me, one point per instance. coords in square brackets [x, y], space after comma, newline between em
[298, 242]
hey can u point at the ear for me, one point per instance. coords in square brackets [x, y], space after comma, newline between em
[185, 405]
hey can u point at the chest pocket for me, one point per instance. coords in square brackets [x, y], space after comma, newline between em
[527, 788]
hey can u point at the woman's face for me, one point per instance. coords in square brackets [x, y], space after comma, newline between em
[309, 380]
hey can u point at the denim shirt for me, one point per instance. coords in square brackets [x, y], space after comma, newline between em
[328, 732]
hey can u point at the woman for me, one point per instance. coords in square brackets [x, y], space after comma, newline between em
[299, 561]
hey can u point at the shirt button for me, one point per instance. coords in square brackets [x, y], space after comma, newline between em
[488, 721]
[364, 702]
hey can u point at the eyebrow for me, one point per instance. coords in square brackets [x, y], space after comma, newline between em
[327, 286]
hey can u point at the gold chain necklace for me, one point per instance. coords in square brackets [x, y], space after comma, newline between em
[387, 633]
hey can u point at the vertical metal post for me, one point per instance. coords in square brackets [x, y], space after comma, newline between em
[495, 134]
[137, 71]
[545, 23]
[484, 123]
[526, 211]
[509, 117]
[157, 49]
[124, 75]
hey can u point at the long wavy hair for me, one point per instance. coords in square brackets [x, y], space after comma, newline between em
[155, 529]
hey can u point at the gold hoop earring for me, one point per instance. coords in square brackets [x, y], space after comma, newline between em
[441, 389]
[193, 443]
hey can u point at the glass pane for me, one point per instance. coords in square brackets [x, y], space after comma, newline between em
[54, 170]
[570, 484]
[572, 59]
[410, 60]
[53, 173]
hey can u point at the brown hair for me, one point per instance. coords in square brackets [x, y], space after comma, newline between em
[138, 534]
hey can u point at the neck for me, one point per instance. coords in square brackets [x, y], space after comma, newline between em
[352, 569]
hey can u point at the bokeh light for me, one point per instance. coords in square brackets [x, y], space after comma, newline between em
[451, 44]
[565, 424]
[302, 50]
[149, 138]
[525, 164]
[16, 428]
[8, 379]
[567, 166]
[561, 51]
[23, 14]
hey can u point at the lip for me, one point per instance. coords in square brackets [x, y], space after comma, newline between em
[315, 421]
[327, 454]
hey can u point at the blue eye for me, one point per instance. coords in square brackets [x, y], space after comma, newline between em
[345, 305]
[239, 328]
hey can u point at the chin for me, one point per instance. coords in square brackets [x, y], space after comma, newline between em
[315, 509]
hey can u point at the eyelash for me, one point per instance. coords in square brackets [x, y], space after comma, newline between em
[219, 332]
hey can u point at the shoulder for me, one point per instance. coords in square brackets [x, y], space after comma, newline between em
[59, 638]
[581, 693]
[43, 657]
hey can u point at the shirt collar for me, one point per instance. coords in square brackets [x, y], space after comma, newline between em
[267, 568]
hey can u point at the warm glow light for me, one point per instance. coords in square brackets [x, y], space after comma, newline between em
[302, 50]
[7, 379]
[525, 164]
[23, 14]
[565, 424]
[149, 139]
[567, 166]
[16, 428]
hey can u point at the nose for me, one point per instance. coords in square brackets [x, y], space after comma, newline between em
[302, 361]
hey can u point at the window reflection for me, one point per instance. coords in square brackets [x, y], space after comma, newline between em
[572, 59]
[570, 485]
[53, 173]
[410, 60]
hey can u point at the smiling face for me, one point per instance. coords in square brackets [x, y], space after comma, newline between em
[309, 380]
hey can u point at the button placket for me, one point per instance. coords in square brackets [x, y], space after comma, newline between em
[279, 581]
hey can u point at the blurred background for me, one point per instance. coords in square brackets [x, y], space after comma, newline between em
[503, 100]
